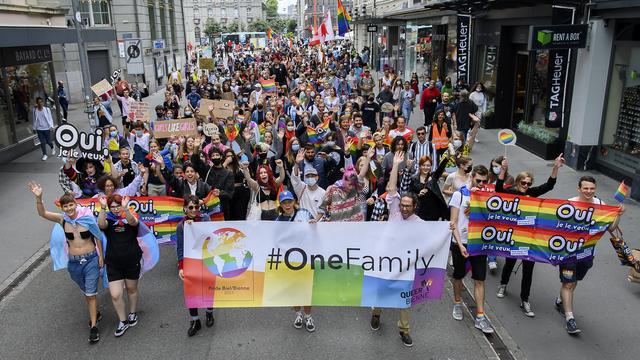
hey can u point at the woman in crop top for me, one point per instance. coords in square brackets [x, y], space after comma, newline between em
[266, 188]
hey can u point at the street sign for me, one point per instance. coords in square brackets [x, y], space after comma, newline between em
[133, 56]
[158, 44]
[372, 28]
[558, 37]
[121, 49]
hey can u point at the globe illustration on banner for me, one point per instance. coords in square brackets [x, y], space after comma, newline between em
[224, 253]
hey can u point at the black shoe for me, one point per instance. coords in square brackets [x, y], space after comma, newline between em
[559, 307]
[572, 327]
[122, 327]
[194, 326]
[132, 319]
[406, 339]
[375, 322]
[210, 320]
[94, 335]
[98, 318]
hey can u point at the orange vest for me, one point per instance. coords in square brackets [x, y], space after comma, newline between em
[439, 139]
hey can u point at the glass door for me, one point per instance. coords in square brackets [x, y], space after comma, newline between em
[520, 91]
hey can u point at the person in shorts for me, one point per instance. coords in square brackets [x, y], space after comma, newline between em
[459, 207]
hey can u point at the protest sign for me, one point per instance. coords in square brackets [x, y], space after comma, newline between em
[102, 87]
[551, 231]
[140, 111]
[210, 129]
[222, 109]
[168, 128]
[206, 64]
[73, 143]
[267, 264]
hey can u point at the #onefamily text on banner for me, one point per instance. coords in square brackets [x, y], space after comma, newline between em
[550, 231]
[269, 264]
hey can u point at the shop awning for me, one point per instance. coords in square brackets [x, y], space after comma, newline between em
[13, 36]
[615, 9]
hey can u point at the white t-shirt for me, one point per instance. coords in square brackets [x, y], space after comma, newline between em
[192, 188]
[594, 200]
[455, 182]
[461, 202]
[307, 198]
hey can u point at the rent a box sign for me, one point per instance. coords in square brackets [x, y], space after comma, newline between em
[558, 37]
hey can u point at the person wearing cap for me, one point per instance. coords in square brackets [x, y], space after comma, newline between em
[308, 192]
[289, 210]
[256, 94]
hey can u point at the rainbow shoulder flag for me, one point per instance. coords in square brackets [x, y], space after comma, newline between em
[268, 85]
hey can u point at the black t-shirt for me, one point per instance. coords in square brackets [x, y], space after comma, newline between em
[369, 111]
[280, 72]
[462, 115]
[122, 244]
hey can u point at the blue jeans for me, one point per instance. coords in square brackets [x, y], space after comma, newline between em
[45, 138]
[406, 111]
[491, 258]
[85, 271]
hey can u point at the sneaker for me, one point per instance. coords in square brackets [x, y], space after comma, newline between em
[98, 318]
[311, 327]
[44, 157]
[457, 312]
[406, 339]
[209, 319]
[375, 323]
[194, 326]
[572, 327]
[484, 325]
[94, 335]
[477, 141]
[298, 322]
[132, 319]
[493, 266]
[122, 327]
[526, 309]
[559, 306]
[502, 291]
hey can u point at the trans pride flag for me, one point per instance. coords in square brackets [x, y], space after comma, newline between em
[552, 231]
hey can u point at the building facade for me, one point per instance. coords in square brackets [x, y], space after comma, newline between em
[321, 8]
[197, 12]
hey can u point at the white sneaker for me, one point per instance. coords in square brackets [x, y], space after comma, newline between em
[457, 312]
[526, 309]
[493, 266]
[502, 291]
[44, 157]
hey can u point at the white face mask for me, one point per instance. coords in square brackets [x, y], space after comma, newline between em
[290, 128]
[496, 170]
[310, 181]
[457, 143]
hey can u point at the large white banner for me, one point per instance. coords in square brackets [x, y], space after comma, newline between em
[261, 264]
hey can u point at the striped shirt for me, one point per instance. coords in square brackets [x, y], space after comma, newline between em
[341, 206]
[419, 150]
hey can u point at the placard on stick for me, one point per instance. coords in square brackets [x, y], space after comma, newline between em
[102, 87]
[168, 128]
[140, 111]
[507, 137]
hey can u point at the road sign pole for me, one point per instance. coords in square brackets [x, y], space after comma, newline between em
[84, 60]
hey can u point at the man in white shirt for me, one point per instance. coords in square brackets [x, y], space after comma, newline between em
[460, 206]
[309, 194]
[42, 125]
[401, 208]
[570, 274]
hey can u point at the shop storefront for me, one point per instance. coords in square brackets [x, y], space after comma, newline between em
[26, 74]
[620, 135]
[431, 48]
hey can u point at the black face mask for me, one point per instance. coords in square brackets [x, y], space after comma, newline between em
[263, 155]
[467, 169]
[216, 161]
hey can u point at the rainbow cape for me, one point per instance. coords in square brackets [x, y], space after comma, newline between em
[622, 192]
[343, 19]
[268, 85]
[161, 214]
[232, 133]
[552, 231]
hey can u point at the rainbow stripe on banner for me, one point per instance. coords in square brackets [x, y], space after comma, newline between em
[272, 263]
[551, 231]
[268, 85]
[162, 213]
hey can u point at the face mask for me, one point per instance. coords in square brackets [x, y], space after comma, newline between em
[263, 155]
[295, 147]
[139, 132]
[216, 161]
[310, 181]
[187, 114]
[313, 94]
[199, 128]
[467, 169]
[114, 133]
[496, 170]
[330, 143]
[479, 89]
[457, 143]
[290, 128]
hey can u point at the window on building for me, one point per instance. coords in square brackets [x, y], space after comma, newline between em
[163, 22]
[196, 32]
[196, 12]
[235, 13]
[210, 12]
[223, 11]
[172, 22]
[96, 13]
[249, 20]
[151, 6]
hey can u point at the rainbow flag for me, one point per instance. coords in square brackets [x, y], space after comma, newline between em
[343, 19]
[551, 231]
[353, 146]
[268, 85]
[312, 135]
[161, 213]
[269, 33]
[622, 192]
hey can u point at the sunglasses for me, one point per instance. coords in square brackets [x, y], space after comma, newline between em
[193, 207]
[526, 183]
[422, 133]
[482, 181]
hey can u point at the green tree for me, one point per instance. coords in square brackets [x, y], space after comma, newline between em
[272, 8]
[234, 26]
[291, 26]
[213, 28]
[259, 26]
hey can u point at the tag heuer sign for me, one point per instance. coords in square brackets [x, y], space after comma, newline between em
[558, 37]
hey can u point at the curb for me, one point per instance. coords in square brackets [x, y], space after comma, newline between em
[17, 278]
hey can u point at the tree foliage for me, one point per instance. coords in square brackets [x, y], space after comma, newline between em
[234, 26]
[212, 28]
[272, 8]
[259, 26]
[292, 25]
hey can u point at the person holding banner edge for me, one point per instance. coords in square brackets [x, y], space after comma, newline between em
[522, 186]
[570, 274]
[460, 207]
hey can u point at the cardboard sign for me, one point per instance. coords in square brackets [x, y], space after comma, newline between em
[168, 128]
[210, 129]
[73, 143]
[140, 111]
[222, 109]
[207, 63]
[102, 87]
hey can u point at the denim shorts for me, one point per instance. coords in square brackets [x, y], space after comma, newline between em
[85, 271]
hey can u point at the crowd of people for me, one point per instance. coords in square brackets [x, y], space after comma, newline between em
[327, 143]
